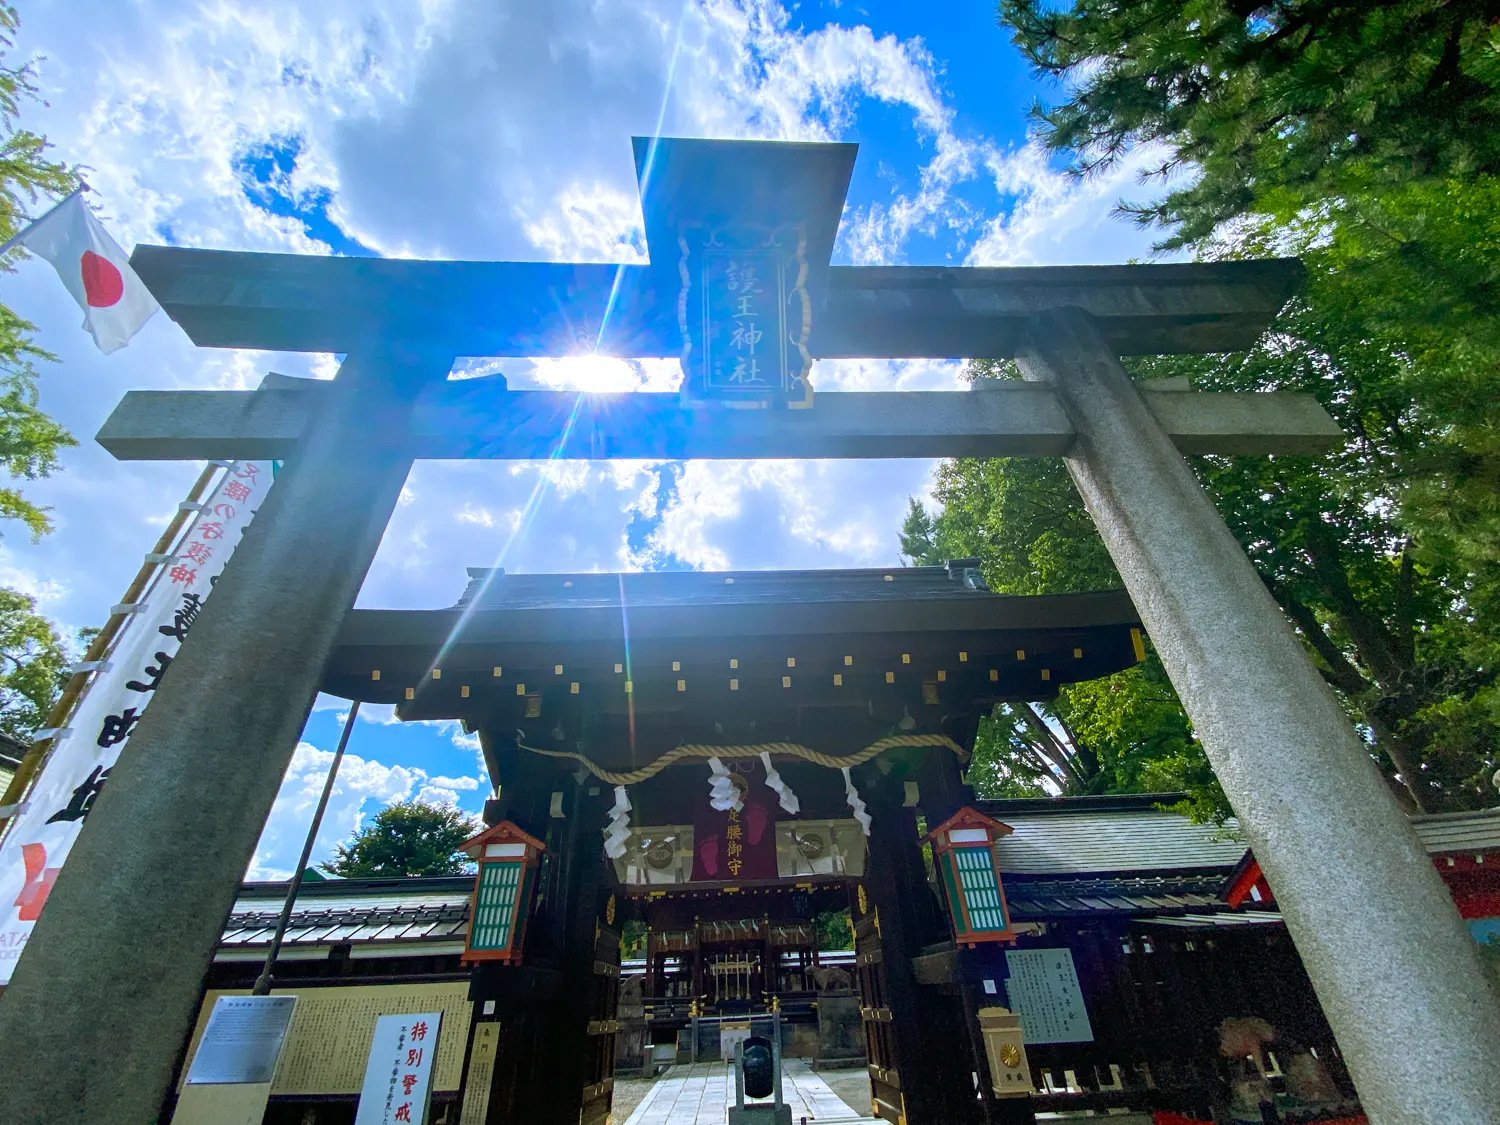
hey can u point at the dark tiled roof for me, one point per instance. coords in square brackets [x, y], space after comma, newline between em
[1101, 835]
[408, 913]
[495, 589]
[12, 750]
[1459, 832]
[1032, 900]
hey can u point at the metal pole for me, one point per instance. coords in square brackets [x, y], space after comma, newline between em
[776, 1056]
[57, 717]
[263, 982]
[739, 1074]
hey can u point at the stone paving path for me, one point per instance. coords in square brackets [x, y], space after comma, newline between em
[700, 1094]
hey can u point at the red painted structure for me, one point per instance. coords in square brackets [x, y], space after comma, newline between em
[1473, 878]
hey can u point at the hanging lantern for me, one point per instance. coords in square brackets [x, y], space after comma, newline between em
[503, 889]
[963, 847]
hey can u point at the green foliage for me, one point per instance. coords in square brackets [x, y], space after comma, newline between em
[835, 929]
[1389, 616]
[32, 659]
[919, 536]
[29, 439]
[632, 939]
[409, 838]
[1274, 107]
[1366, 139]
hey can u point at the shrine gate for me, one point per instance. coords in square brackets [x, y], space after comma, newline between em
[740, 237]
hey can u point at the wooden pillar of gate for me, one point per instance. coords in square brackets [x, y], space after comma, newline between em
[931, 1081]
[555, 1060]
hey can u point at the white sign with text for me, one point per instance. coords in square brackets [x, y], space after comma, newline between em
[1043, 990]
[243, 1040]
[398, 1077]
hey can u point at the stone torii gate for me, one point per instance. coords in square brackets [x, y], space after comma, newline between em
[103, 997]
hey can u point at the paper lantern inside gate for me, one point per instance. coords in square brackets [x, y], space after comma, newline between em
[503, 889]
[963, 848]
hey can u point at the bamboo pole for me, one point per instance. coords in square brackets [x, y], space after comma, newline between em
[57, 717]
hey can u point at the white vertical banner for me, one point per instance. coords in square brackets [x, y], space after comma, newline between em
[52, 815]
[398, 1077]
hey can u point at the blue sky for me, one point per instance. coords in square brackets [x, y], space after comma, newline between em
[501, 129]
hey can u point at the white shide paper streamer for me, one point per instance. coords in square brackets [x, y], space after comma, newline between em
[856, 805]
[783, 791]
[722, 795]
[617, 831]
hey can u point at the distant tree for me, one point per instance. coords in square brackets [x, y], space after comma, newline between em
[29, 439]
[919, 543]
[632, 939]
[1402, 628]
[835, 929]
[409, 838]
[32, 660]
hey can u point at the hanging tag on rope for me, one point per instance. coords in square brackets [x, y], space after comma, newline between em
[722, 795]
[783, 791]
[617, 831]
[856, 805]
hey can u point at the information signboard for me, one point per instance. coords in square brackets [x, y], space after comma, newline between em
[243, 1040]
[1043, 990]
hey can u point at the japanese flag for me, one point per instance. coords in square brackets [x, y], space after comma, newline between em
[97, 272]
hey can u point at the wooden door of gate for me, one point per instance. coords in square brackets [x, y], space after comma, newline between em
[875, 1017]
[603, 1027]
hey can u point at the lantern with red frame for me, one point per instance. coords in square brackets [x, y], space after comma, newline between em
[503, 891]
[963, 848]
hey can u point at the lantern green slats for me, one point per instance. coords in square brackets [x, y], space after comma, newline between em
[507, 858]
[976, 877]
[494, 913]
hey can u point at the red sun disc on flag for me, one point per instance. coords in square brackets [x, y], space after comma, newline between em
[102, 283]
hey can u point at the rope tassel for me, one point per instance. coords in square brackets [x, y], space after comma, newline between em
[783, 791]
[792, 749]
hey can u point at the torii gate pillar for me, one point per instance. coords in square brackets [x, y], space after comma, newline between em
[1397, 973]
[94, 1014]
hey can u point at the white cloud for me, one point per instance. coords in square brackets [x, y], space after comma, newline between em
[362, 788]
[455, 782]
[359, 781]
[475, 129]
[793, 514]
[486, 129]
[1056, 220]
[431, 794]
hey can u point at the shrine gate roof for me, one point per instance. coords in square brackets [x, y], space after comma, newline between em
[936, 624]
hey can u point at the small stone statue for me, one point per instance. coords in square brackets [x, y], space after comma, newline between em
[830, 978]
